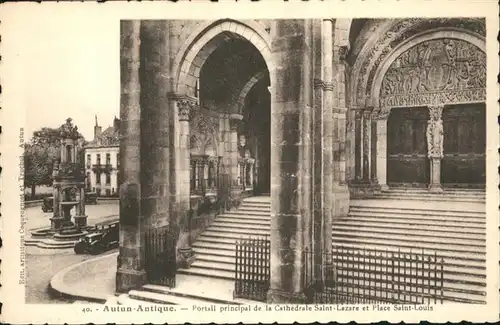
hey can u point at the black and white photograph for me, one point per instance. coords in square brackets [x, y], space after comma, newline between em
[238, 165]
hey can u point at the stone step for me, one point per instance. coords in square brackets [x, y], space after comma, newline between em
[248, 213]
[402, 241]
[414, 231]
[233, 225]
[266, 205]
[414, 222]
[198, 297]
[410, 226]
[213, 273]
[214, 231]
[452, 278]
[430, 198]
[419, 212]
[253, 209]
[244, 219]
[449, 294]
[416, 218]
[379, 245]
[455, 193]
[158, 298]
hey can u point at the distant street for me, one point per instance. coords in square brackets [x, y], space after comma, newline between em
[36, 218]
[43, 264]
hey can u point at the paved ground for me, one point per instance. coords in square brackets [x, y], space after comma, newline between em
[43, 264]
[36, 218]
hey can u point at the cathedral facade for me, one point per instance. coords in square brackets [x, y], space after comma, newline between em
[313, 113]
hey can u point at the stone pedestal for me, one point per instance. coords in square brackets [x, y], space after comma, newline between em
[282, 297]
[56, 222]
[435, 175]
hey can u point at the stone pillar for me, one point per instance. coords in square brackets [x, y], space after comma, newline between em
[236, 188]
[367, 132]
[435, 146]
[330, 144]
[381, 149]
[341, 191]
[291, 82]
[185, 109]
[130, 273]
[358, 145]
[80, 217]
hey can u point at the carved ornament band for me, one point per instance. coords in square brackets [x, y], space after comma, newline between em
[325, 85]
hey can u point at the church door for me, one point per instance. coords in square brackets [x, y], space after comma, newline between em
[464, 164]
[407, 162]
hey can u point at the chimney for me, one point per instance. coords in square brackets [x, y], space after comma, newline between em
[97, 129]
[116, 124]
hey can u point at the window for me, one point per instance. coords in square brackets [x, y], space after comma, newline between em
[88, 181]
[88, 161]
[118, 160]
[108, 159]
[98, 178]
[108, 179]
[98, 159]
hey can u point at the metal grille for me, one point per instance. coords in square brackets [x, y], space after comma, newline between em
[357, 276]
[252, 273]
[161, 264]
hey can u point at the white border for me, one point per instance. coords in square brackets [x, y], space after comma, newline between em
[16, 23]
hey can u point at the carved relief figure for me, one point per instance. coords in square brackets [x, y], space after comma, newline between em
[436, 71]
[242, 147]
[435, 134]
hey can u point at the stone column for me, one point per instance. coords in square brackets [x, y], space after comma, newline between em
[80, 217]
[185, 109]
[130, 273]
[330, 144]
[435, 146]
[381, 145]
[367, 132]
[358, 145]
[291, 131]
[235, 120]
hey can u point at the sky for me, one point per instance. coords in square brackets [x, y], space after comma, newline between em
[71, 69]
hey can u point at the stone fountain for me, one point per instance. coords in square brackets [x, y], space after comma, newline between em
[69, 193]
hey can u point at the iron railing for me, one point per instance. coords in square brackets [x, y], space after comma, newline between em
[161, 265]
[252, 273]
[358, 276]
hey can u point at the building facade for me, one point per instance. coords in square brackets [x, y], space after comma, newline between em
[311, 112]
[102, 160]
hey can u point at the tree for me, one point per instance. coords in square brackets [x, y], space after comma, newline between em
[39, 157]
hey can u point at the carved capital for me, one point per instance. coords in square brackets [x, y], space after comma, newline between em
[435, 111]
[317, 83]
[328, 86]
[235, 121]
[382, 114]
[367, 112]
[186, 109]
[358, 114]
[343, 51]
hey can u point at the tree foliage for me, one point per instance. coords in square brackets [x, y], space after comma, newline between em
[39, 157]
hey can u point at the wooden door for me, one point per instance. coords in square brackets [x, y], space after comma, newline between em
[407, 162]
[464, 163]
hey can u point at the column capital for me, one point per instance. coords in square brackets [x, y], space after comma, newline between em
[186, 105]
[343, 51]
[435, 111]
[381, 114]
[325, 85]
[235, 121]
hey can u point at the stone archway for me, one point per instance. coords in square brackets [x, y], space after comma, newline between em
[434, 70]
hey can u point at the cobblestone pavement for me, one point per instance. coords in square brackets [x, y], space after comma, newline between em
[36, 218]
[43, 264]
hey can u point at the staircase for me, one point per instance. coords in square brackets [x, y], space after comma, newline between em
[455, 232]
[447, 195]
[215, 249]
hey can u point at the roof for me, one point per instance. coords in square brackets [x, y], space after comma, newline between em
[108, 138]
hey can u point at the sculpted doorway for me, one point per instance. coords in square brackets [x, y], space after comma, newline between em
[463, 163]
[407, 161]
